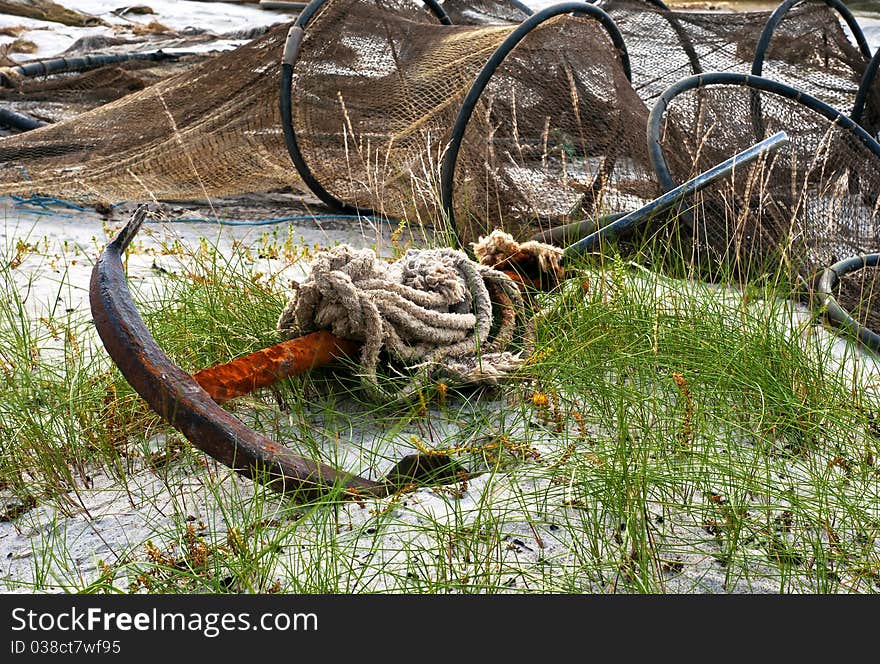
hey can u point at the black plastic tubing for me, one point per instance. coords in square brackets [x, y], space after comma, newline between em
[450, 156]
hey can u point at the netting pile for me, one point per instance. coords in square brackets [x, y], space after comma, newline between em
[212, 130]
[56, 98]
[485, 12]
[378, 86]
[556, 135]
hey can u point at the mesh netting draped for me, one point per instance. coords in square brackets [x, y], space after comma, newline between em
[210, 131]
[485, 12]
[215, 129]
[525, 164]
[372, 108]
[809, 48]
[64, 97]
[807, 205]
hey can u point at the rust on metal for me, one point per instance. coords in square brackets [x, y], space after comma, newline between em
[270, 365]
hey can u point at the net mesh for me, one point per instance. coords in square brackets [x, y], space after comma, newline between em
[377, 90]
[810, 203]
[373, 109]
[810, 49]
[210, 131]
[485, 12]
[558, 134]
[62, 97]
[526, 165]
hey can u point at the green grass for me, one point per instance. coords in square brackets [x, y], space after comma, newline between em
[667, 436]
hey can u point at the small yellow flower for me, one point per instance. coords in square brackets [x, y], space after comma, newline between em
[540, 399]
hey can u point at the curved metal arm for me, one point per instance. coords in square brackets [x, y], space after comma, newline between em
[837, 314]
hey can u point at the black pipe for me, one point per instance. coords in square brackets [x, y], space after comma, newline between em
[19, 121]
[780, 12]
[865, 86]
[837, 314]
[450, 157]
[673, 197]
[292, 46]
[81, 63]
[655, 151]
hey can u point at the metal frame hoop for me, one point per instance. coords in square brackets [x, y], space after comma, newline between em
[290, 57]
[837, 314]
[655, 151]
[865, 86]
[782, 10]
[450, 156]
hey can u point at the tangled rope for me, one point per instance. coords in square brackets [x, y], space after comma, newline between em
[434, 311]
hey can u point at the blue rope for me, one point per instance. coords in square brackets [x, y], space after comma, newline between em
[264, 222]
[46, 202]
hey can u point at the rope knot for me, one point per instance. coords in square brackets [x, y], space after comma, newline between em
[431, 311]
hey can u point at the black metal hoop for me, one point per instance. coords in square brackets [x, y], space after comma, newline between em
[780, 12]
[291, 55]
[865, 86]
[450, 156]
[836, 314]
[655, 151]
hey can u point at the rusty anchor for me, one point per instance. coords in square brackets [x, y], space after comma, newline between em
[190, 404]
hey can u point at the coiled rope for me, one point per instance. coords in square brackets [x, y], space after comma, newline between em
[437, 314]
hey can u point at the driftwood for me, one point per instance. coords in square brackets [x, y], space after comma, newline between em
[46, 10]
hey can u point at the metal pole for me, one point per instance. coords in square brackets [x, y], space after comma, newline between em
[673, 196]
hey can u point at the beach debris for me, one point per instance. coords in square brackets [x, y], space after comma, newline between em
[46, 10]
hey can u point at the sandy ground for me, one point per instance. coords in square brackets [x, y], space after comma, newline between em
[62, 545]
[110, 522]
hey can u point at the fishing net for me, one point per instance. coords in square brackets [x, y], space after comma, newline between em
[811, 48]
[525, 165]
[377, 89]
[373, 108]
[806, 205]
[210, 131]
[63, 97]
[485, 12]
